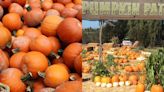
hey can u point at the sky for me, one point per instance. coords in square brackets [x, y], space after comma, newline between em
[93, 24]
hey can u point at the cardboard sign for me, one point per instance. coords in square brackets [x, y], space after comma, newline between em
[123, 9]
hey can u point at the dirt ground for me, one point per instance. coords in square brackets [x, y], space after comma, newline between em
[89, 86]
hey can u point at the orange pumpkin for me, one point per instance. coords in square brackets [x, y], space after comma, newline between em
[133, 79]
[47, 4]
[16, 59]
[12, 78]
[5, 37]
[38, 85]
[79, 16]
[21, 43]
[4, 62]
[34, 62]
[123, 78]
[50, 25]
[41, 44]
[5, 3]
[135, 68]
[156, 88]
[57, 61]
[78, 64]
[55, 43]
[141, 66]
[30, 17]
[12, 21]
[115, 78]
[70, 5]
[140, 88]
[70, 53]
[69, 12]
[34, 3]
[20, 2]
[64, 1]
[32, 33]
[71, 86]
[74, 76]
[58, 6]
[77, 1]
[1, 11]
[52, 12]
[55, 75]
[16, 8]
[77, 7]
[20, 32]
[70, 30]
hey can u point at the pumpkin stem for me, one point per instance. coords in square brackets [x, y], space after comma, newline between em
[60, 52]
[72, 78]
[4, 88]
[8, 45]
[26, 77]
[29, 89]
[14, 32]
[16, 50]
[42, 74]
[28, 7]
[54, 55]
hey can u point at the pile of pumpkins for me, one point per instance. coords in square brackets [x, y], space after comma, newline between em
[40, 45]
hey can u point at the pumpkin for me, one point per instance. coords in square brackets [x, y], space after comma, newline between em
[71, 86]
[50, 25]
[77, 1]
[47, 4]
[21, 43]
[105, 80]
[58, 6]
[16, 59]
[1, 12]
[55, 75]
[115, 78]
[52, 12]
[70, 5]
[20, 2]
[97, 79]
[34, 62]
[156, 88]
[4, 60]
[133, 79]
[78, 64]
[12, 78]
[41, 44]
[77, 7]
[34, 3]
[57, 61]
[141, 66]
[135, 68]
[5, 3]
[38, 85]
[5, 37]
[30, 17]
[55, 43]
[74, 76]
[123, 78]
[70, 53]
[69, 12]
[1, 24]
[64, 1]
[79, 16]
[16, 8]
[140, 88]
[32, 33]
[12, 21]
[70, 30]
[128, 68]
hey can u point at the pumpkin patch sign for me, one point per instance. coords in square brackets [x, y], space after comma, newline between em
[123, 9]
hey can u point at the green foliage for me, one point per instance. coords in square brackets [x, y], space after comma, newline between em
[155, 69]
[110, 61]
[99, 69]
